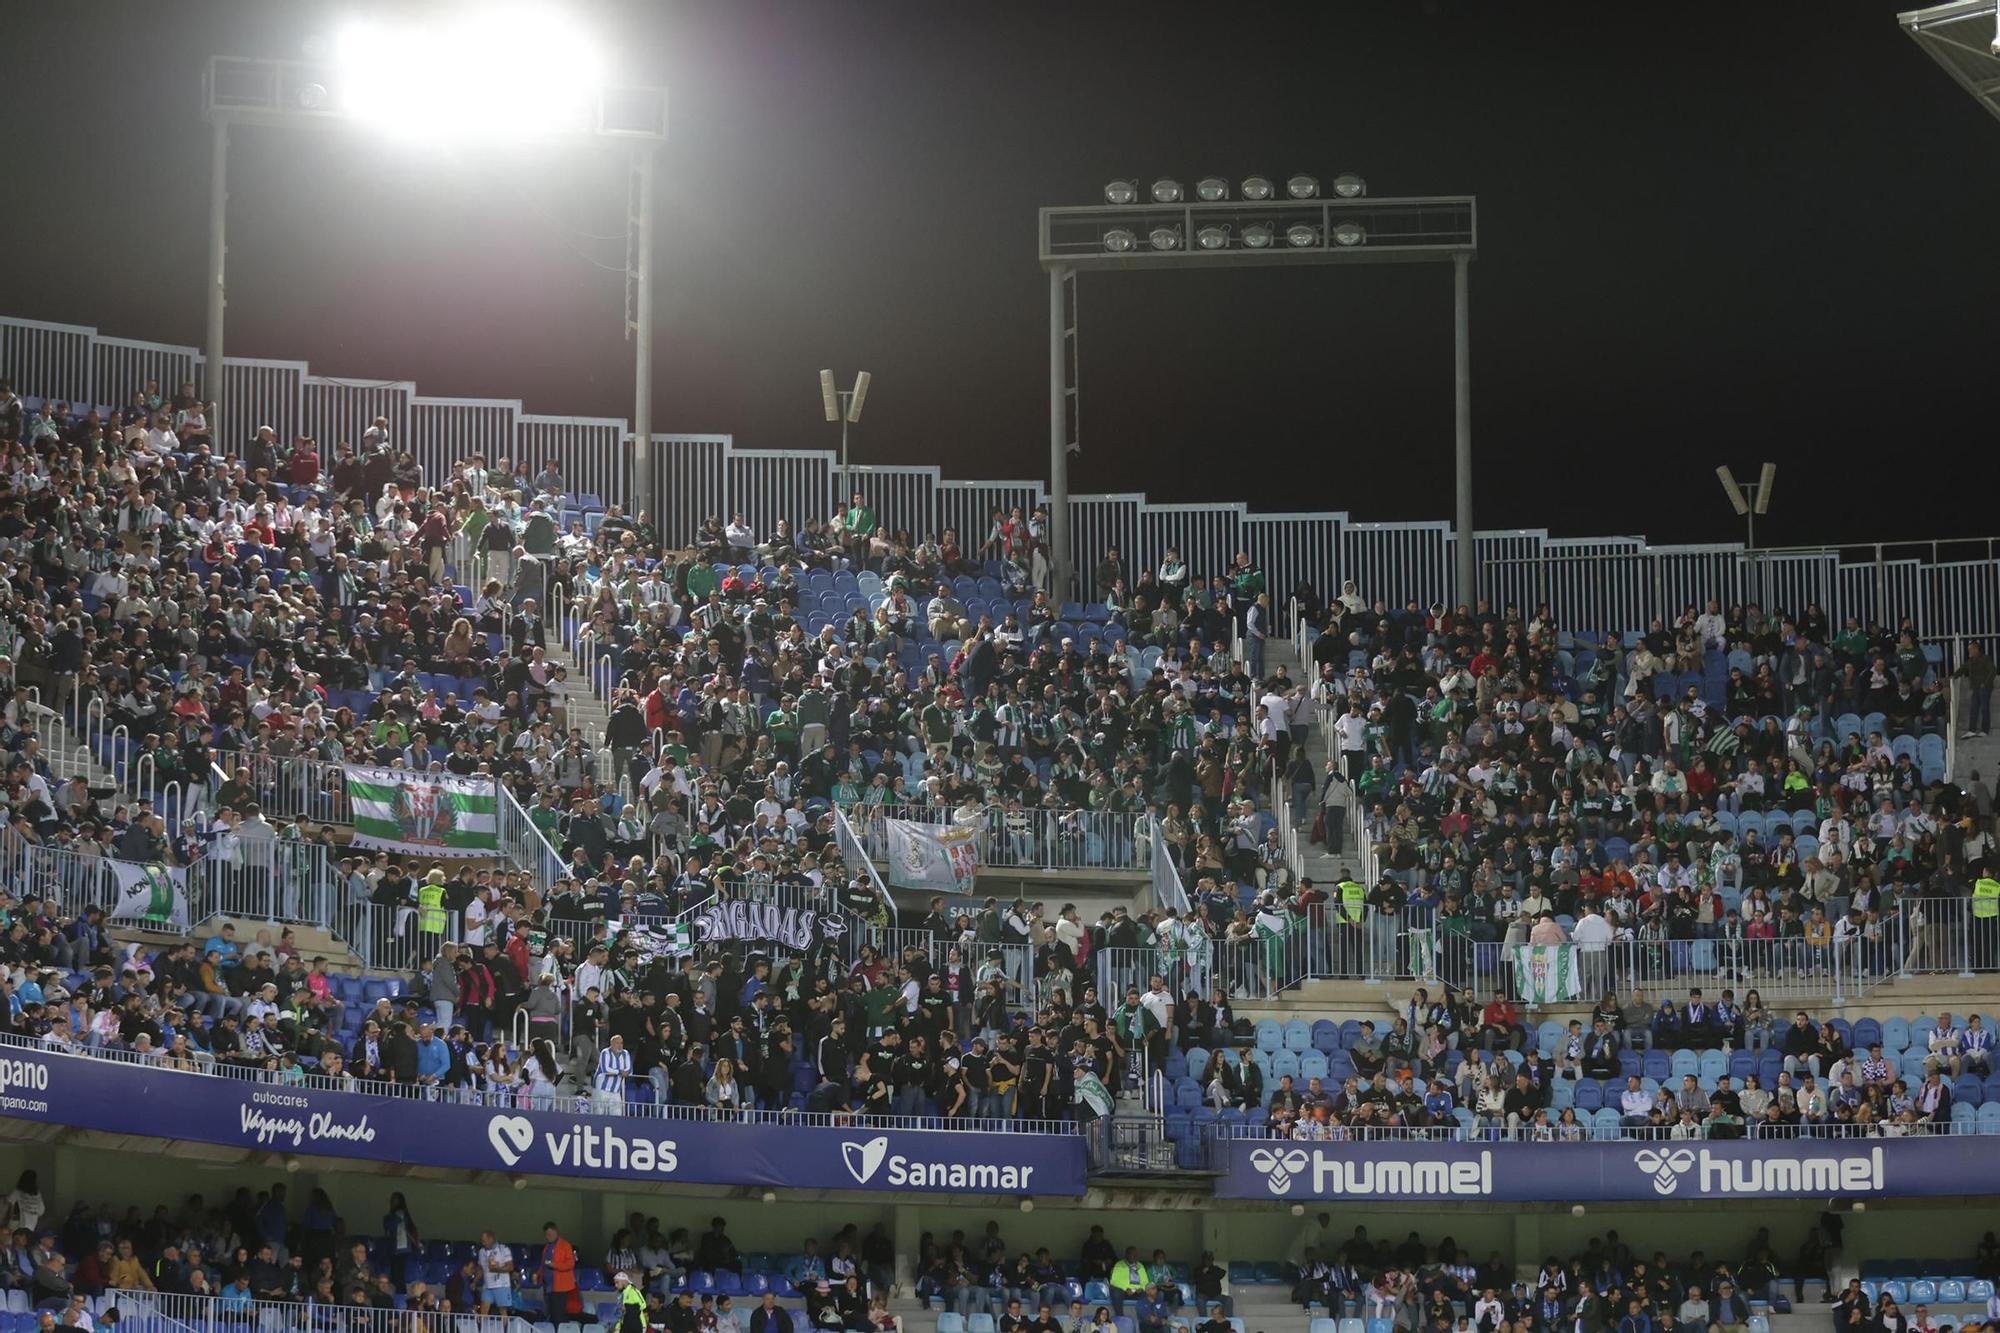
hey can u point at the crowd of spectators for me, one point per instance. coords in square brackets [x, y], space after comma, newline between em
[243, 612]
[1706, 781]
[1697, 1067]
[258, 1245]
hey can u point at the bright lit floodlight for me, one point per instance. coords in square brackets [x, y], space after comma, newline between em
[505, 71]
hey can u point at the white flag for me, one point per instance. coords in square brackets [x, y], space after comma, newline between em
[149, 894]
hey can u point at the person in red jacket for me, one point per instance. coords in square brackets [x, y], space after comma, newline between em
[1499, 1024]
[660, 712]
[560, 1298]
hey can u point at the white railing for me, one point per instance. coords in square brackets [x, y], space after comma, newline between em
[1947, 587]
[273, 880]
[209, 1314]
[854, 855]
[1413, 945]
[388, 937]
[1169, 889]
[523, 842]
[571, 1103]
[1475, 1128]
[1034, 838]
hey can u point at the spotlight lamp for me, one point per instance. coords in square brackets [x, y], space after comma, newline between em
[1211, 189]
[1120, 193]
[1165, 238]
[1302, 186]
[1212, 238]
[1119, 240]
[1349, 233]
[1300, 236]
[1256, 189]
[1166, 191]
[1347, 185]
[1257, 236]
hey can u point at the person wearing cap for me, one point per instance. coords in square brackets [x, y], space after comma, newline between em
[631, 1301]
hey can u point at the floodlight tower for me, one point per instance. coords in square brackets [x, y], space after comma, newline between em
[1259, 223]
[844, 406]
[1749, 498]
[481, 77]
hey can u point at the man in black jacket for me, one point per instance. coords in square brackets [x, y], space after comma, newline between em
[770, 1317]
[399, 1056]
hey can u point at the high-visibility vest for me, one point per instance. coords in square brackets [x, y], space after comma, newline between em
[1353, 900]
[1986, 898]
[430, 909]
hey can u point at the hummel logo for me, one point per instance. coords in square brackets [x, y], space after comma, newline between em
[1664, 1167]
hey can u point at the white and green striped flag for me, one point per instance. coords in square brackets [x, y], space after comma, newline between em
[1090, 1091]
[1546, 973]
[429, 814]
[1423, 953]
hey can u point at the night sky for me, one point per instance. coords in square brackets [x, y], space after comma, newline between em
[1710, 233]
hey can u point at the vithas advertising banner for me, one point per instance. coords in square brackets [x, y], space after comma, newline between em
[171, 1104]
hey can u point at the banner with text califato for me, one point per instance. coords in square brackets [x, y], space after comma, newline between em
[1609, 1171]
[422, 814]
[168, 1104]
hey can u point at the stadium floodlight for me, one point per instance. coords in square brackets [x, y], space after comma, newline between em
[1732, 490]
[1751, 500]
[501, 71]
[1257, 224]
[844, 406]
[1121, 193]
[485, 71]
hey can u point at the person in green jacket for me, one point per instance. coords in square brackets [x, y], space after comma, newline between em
[859, 522]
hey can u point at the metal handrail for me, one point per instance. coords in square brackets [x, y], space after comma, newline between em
[576, 1104]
